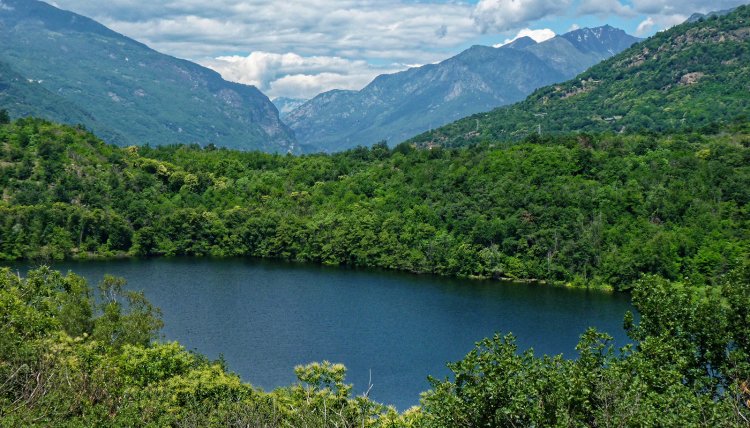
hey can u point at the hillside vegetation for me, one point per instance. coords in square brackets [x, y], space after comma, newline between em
[590, 210]
[692, 77]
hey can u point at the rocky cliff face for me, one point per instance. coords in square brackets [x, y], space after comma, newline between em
[130, 93]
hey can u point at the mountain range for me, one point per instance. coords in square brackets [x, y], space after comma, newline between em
[692, 77]
[394, 107]
[63, 66]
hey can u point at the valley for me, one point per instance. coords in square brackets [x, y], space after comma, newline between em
[549, 232]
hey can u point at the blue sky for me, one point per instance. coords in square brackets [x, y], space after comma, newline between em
[299, 48]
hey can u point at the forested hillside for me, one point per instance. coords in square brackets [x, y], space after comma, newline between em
[591, 210]
[692, 77]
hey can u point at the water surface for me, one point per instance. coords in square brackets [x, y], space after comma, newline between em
[265, 317]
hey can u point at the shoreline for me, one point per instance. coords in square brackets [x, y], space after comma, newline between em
[94, 257]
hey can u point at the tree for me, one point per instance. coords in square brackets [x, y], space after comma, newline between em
[4, 117]
[126, 316]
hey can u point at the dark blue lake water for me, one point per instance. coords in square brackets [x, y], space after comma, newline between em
[265, 317]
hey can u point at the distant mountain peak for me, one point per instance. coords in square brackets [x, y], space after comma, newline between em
[596, 32]
[520, 43]
[605, 39]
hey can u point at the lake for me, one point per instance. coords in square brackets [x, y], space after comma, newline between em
[391, 329]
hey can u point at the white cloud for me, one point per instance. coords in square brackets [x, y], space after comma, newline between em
[4, 6]
[645, 26]
[659, 14]
[604, 8]
[506, 15]
[574, 27]
[366, 37]
[538, 36]
[296, 76]
[658, 23]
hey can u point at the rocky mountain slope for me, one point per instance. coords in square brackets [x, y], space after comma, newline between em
[693, 77]
[397, 106]
[121, 89]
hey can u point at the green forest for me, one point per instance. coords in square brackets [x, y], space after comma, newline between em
[586, 210]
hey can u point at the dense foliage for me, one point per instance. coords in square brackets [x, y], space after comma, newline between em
[586, 209]
[689, 366]
[692, 77]
[69, 359]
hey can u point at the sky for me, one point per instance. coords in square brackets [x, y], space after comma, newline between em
[299, 48]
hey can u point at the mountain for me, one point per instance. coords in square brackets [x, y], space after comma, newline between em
[25, 97]
[693, 77]
[602, 41]
[124, 91]
[521, 43]
[397, 106]
[287, 105]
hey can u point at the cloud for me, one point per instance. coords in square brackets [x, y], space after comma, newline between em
[294, 75]
[369, 36]
[683, 7]
[442, 31]
[394, 29]
[605, 8]
[658, 23]
[645, 26]
[257, 39]
[538, 36]
[506, 15]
